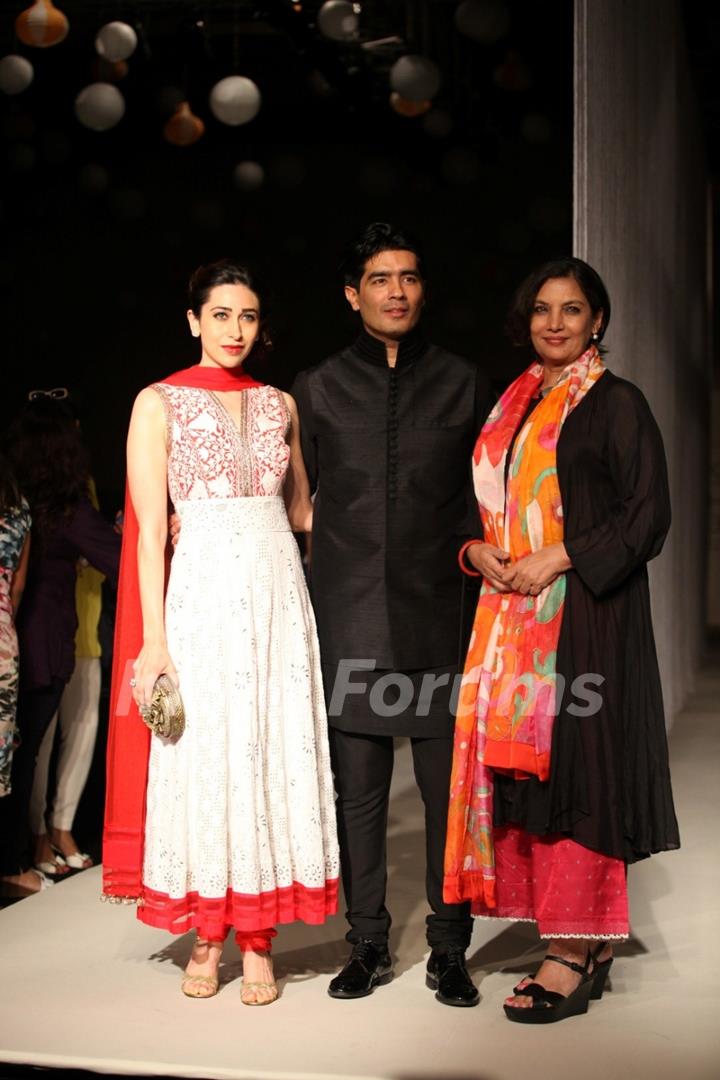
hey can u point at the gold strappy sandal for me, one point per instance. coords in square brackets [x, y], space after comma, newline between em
[209, 982]
[206, 986]
[253, 986]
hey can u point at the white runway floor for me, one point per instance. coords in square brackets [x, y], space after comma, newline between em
[84, 985]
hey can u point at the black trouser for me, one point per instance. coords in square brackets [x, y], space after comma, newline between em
[363, 766]
[35, 710]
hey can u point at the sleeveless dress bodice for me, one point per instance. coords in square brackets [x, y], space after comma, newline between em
[211, 455]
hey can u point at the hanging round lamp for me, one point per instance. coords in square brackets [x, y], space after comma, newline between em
[183, 128]
[100, 106]
[337, 20]
[235, 100]
[415, 78]
[248, 176]
[41, 25]
[116, 41]
[16, 74]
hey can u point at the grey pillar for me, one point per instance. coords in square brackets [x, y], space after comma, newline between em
[641, 219]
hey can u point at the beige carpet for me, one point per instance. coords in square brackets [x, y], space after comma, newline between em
[87, 986]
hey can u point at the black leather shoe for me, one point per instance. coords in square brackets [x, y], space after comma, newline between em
[448, 976]
[369, 966]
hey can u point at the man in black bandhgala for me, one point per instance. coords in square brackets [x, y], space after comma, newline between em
[388, 425]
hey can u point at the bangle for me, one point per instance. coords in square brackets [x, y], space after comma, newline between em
[467, 569]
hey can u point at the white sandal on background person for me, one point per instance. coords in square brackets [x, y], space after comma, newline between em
[47, 860]
[54, 868]
[13, 890]
[79, 860]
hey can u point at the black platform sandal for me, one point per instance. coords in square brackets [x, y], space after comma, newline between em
[548, 1005]
[598, 973]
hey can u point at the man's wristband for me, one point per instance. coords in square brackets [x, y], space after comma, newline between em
[468, 568]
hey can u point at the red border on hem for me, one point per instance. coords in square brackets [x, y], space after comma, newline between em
[242, 911]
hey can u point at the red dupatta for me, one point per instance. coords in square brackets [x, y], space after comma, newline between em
[128, 738]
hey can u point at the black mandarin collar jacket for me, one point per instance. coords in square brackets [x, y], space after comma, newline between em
[388, 454]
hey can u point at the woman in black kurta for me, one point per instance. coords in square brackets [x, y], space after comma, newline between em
[609, 785]
[605, 799]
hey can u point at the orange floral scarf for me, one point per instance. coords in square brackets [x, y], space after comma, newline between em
[506, 704]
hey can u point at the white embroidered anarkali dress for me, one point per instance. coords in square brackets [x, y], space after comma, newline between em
[240, 818]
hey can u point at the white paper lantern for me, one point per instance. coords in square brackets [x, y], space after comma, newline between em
[249, 176]
[337, 20]
[483, 20]
[415, 78]
[16, 74]
[235, 100]
[116, 41]
[100, 106]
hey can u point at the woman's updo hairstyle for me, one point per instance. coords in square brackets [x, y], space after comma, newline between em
[521, 308]
[228, 272]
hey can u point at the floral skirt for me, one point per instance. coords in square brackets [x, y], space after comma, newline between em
[8, 695]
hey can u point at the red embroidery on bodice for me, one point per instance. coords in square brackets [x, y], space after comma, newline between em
[211, 455]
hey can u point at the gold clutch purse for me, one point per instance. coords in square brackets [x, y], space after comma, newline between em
[165, 715]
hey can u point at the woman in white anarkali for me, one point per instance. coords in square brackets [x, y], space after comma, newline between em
[238, 823]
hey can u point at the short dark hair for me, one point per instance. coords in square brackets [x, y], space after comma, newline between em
[520, 313]
[228, 272]
[377, 237]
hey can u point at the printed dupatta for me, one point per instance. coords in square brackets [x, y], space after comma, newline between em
[506, 704]
[128, 738]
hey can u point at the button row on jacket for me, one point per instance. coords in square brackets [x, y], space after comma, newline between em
[392, 436]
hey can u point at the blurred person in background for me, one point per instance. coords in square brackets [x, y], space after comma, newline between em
[56, 850]
[49, 460]
[14, 551]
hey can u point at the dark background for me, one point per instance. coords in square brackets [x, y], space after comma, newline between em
[102, 230]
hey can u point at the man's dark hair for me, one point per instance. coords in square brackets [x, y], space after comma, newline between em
[518, 320]
[380, 236]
